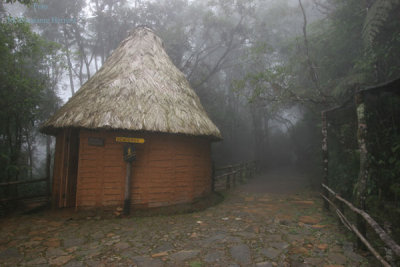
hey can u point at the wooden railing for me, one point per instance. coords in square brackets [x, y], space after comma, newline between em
[387, 240]
[229, 176]
[22, 182]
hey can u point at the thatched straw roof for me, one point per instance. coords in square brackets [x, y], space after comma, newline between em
[138, 88]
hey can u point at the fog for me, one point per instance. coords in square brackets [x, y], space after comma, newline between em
[263, 69]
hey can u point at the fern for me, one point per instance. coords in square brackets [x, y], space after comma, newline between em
[376, 18]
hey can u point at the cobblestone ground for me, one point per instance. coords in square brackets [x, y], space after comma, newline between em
[251, 227]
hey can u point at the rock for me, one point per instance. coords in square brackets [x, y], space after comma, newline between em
[353, 256]
[318, 226]
[270, 253]
[72, 249]
[37, 261]
[264, 264]
[10, 253]
[314, 261]
[121, 246]
[74, 263]
[194, 235]
[163, 248]
[51, 252]
[97, 235]
[52, 242]
[214, 256]
[279, 245]
[241, 254]
[184, 255]
[72, 242]
[58, 261]
[337, 258]
[141, 261]
[309, 220]
[299, 250]
[322, 246]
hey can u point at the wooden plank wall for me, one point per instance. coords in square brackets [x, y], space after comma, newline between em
[169, 169]
[57, 171]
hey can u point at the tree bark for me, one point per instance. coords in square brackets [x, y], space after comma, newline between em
[325, 154]
[71, 79]
[361, 185]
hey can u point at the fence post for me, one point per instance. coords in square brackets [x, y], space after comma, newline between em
[234, 177]
[212, 176]
[325, 156]
[361, 185]
[242, 166]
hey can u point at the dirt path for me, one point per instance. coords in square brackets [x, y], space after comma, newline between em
[252, 227]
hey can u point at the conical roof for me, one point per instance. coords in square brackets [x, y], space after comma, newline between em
[138, 88]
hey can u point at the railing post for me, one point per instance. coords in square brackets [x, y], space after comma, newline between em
[212, 176]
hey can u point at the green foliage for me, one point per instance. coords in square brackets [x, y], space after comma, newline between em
[24, 89]
[377, 16]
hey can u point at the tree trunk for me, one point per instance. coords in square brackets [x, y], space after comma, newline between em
[71, 79]
[325, 155]
[361, 185]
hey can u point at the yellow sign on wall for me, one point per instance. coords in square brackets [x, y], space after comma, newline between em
[130, 140]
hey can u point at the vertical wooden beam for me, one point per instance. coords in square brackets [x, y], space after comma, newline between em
[127, 196]
[212, 176]
[361, 185]
[48, 163]
[325, 155]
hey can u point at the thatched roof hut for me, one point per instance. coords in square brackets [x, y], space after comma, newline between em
[137, 89]
[138, 92]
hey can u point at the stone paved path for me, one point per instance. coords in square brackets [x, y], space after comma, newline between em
[252, 227]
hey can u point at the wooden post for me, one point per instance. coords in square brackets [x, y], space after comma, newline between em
[212, 176]
[361, 185]
[48, 163]
[127, 197]
[242, 168]
[325, 155]
[228, 182]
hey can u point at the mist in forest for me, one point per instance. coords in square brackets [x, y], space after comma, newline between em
[263, 69]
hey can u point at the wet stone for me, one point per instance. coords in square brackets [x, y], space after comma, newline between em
[270, 253]
[353, 256]
[74, 263]
[52, 252]
[264, 264]
[61, 260]
[10, 253]
[163, 247]
[279, 245]
[121, 246]
[141, 261]
[314, 261]
[337, 258]
[73, 242]
[241, 254]
[37, 261]
[184, 255]
[97, 235]
[213, 256]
